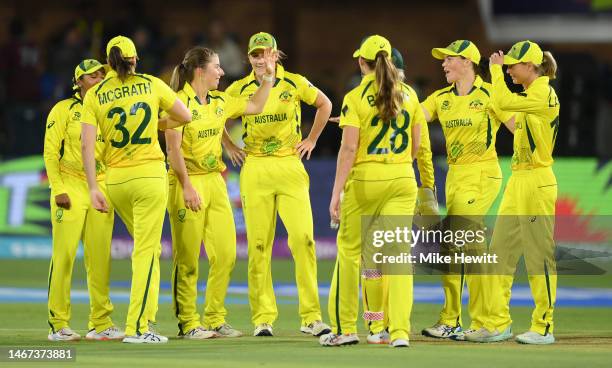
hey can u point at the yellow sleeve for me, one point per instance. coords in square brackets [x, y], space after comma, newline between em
[88, 115]
[504, 99]
[235, 107]
[349, 115]
[430, 105]
[424, 162]
[501, 115]
[232, 90]
[54, 135]
[308, 92]
[167, 96]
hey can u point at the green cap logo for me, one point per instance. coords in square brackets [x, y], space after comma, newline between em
[260, 41]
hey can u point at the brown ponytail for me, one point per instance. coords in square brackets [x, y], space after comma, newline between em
[548, 67]
[389, 98]
[123, 67]
[197, 57]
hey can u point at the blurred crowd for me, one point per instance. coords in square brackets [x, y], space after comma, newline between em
[34, 76]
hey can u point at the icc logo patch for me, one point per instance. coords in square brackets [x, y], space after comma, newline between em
[445, 105]
[195, 115]
[219, 111]
[181, 214]
[76, 116]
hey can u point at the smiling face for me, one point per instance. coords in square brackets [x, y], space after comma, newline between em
[258, 63]
[455, 67]
[211, 73]
[89, 80]
[520, 72]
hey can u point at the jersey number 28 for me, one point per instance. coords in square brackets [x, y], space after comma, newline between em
[401, 131]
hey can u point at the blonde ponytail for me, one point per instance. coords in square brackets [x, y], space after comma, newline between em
[549, 66]
[389, 98]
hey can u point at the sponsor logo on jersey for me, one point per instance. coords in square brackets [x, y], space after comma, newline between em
[210, 161]
[51, 123]
[59, 215]
[271, 145]
[181, 214]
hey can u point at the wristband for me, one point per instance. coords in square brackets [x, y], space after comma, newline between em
[268, 78]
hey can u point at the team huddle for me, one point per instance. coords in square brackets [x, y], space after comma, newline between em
[103, 157]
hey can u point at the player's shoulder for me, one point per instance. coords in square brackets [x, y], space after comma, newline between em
[237, 87]
[486, 88]
[294, 79]
[66, 104]
[147, 77]
[443, 91]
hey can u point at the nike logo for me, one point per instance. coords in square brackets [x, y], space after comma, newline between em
[50, 124]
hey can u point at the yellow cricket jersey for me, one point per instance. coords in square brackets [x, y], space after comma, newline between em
[537, 121]
[201, 144]
[62, 149]
[126, 114]
[469, 122]
[379, 141]
[424, 162]
[276, 131]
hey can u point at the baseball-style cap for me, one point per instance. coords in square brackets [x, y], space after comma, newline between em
[397, 59]
[464, 48]
[524, 52]
[372, 45]
[124, 44]
[260, 41]
[87, 66]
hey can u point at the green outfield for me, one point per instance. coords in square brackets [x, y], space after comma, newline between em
[584, 334]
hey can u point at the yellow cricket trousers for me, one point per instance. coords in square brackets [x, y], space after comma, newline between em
[371, 198]
[139, 195]
[213, 224]
[525, 226]
[271, 185]
[471, 190]
[80, 222]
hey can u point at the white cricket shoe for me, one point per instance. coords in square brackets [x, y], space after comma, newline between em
[263, 329]
[111, 333]
[531, 337]
[316, 328]
[441, 331]
[460, 335]
[146, 338]
[378, 338]
[64, 334]
[484, 335]
[225, 330]
[399, 343]
[199, 333]
[331, 339]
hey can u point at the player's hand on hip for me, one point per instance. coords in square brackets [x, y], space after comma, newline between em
[235, 154]
[305, 147]
[98, 201]
[63, 201]
[192, 198]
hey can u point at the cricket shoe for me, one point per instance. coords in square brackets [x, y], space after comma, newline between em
[399, 343]
[199, 333]
[484, 335]
[332, 339]
[146, 338]
[225, 330]
[64, 334]
[263, 329]
[441, 331]
[531, 337]
[316, 328]
[381, 337]
[460, 336]
[111, 333]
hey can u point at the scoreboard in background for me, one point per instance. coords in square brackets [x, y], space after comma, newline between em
[584, 207]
